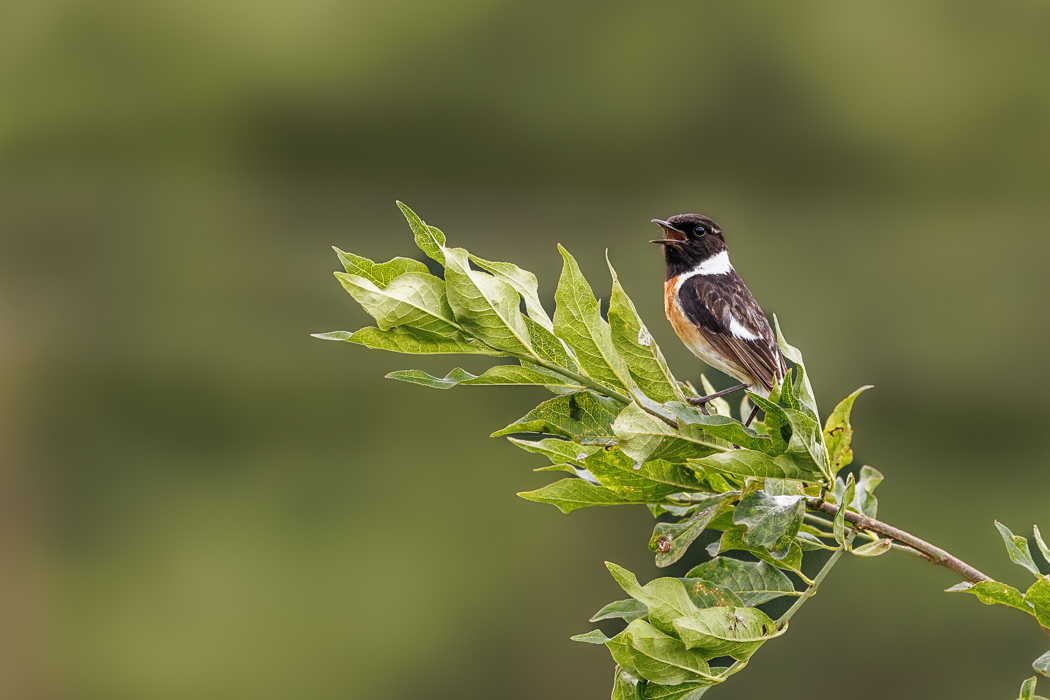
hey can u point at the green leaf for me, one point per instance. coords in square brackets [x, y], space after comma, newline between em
[838, 433]
[414, 299]
[1041, 544]
[484, 305]
[792, 353]
[411, 341]
[839, 525]
[1017, 548]
[578, 321]
[569, 494]
[772, 521]
[1028, 689]
[625, 686]
[1037, 598]
[430, 240]
[651, 482]
[578, 416]
[865, 500]
[805, 442]
[1042, 664]
[743, 463]
[735, 632]
[661, 658]
[993, 593]
[670, 541]
[621, 653]
[754, 582]
[668, 601]
[556, 449]
[523, 282]
[719, 406]
[705, 594]
[733, 539]
[380, 274]
[502, 374]
[636, 346]
[547, 346]
[873, 549]
[592, 637]
[629, 610]
[699, 427]
[643, 437]
[682, 691]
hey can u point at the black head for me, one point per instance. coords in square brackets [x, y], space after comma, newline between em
[688, 240]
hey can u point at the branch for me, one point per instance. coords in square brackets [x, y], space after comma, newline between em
[812, 590]
[936, 555]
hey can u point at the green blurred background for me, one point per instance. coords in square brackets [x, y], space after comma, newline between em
[198, 500]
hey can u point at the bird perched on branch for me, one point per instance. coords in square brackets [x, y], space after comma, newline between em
[713, 311]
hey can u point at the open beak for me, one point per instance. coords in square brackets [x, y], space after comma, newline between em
[676, 236]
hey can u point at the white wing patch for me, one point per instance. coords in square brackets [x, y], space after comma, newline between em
[717, 264]
[740, 331]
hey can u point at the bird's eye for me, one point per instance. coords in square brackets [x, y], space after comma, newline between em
[700, 230]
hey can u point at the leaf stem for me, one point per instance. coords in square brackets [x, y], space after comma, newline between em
[584, 380]
[812, 590]
[934, 554]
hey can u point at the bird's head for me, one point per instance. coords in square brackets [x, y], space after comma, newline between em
[688, 240]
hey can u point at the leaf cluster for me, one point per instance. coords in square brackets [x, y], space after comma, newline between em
[621, 427]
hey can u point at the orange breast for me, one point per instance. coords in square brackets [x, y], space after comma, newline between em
[695, 340]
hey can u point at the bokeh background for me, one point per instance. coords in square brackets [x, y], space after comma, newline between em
[198, 500]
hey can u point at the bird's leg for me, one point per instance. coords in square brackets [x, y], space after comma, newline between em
[754, 412]
[701, 400]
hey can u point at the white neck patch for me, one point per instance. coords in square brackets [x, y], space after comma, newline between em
[717, 264]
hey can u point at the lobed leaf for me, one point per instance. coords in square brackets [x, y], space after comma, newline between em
[577, 416]
[1017, 548]
[501, 374]
[578, 321]
[772, 521]
[735, 632]
[636, 346]
[864, 500]
[754, 582]
[838, 433]
[805, 441]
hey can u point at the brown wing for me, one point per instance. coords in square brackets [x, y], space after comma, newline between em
[725, 311]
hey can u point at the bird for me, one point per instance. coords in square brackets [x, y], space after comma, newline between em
[711, 309]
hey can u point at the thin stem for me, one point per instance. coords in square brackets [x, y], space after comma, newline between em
[585, 381]
[934, 554]
[812, 590]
